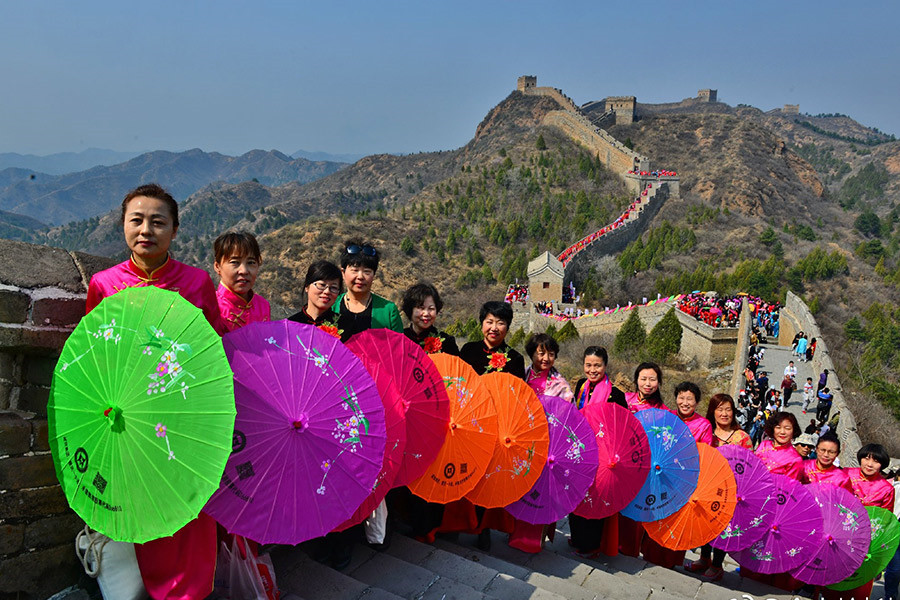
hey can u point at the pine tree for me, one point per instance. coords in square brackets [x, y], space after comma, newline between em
[665, 337]
[540, 144]
[632, 335]
[567, 332]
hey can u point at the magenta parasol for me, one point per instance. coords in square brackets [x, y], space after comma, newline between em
[570, 469]
[756, 499]
[308, 438]
[795, 531]
[846, 535]
[624, 460]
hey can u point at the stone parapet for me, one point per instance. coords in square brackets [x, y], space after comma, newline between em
[42, 298]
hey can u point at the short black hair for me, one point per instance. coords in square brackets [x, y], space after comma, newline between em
[829, 436]
[152, 190]
[359, 259]
[656, 398]
[236, 243]
[877, 453]
[541, 340]
[777, 418]
[322, 270]
[416, 295]
[688, 386]
[598, 351]
[500, 310]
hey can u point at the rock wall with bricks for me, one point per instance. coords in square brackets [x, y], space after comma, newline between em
[42, 298]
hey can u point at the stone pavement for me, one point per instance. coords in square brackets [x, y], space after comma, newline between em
[774, 361]
[457, 570]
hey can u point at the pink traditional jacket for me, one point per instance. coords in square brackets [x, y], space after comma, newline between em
[833, 475]
[636, 403]
[235, 312]
[182, 566]
[700, 428]
[192, 283]
[784, 460]
[874, 492]
[549, 384]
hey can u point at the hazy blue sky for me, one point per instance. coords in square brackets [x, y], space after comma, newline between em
[381, 76]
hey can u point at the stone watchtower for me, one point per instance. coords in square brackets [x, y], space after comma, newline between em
[545, 278]
[526, 82]
[623, 107]
[707, 95]
[791, 109]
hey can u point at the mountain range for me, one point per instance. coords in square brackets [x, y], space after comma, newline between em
[59, 199]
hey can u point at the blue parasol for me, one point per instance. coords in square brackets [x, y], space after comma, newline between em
[674, 467]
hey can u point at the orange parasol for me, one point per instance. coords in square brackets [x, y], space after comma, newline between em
[523, 440]
[470, 439]
[708, 510]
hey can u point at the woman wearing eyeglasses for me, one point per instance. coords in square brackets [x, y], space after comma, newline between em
[359, 309]
[322, 287]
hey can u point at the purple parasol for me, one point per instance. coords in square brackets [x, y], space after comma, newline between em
[572, 462]
[309, 436]
[846, 534]
[755, 500]
[795, 531]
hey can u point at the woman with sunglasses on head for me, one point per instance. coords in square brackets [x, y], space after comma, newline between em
[421, 304]
[359, 309]
[322, 287]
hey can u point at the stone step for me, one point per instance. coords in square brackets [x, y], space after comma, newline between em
[455, 569]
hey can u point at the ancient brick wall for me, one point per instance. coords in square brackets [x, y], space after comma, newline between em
[613, 242]
[613, 153]
[42, 296]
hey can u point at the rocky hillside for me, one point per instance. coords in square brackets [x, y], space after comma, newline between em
[55, 200]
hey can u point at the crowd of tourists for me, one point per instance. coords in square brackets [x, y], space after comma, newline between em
[586, 241]
[340, 301]
[516, 292]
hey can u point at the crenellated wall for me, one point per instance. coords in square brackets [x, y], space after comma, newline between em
[42, 298]
[613, 242]
[614, 154]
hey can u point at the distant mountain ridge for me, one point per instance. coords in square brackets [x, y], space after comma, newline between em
[60, 199]
[61, 163]
[320, 156]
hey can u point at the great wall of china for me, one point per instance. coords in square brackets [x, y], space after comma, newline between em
[705, 345]
[42, 297]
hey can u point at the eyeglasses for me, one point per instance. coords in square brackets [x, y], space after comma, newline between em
[367, 250]
[827, 452]
[321, 286]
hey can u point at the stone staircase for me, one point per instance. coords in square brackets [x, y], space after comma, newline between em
[457, 570]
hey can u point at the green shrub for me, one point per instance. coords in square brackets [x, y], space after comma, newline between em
[665, 338]
[632, 335]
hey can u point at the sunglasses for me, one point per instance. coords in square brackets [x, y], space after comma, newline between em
[367, 250]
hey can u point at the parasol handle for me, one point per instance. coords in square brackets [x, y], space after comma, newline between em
[112, 414]
[300, 424]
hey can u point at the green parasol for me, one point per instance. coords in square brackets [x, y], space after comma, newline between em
[141, 414]
[885, 539]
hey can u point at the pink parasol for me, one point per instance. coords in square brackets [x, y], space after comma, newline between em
[570, 469]
[309, 435]
[795, 531]
[423, 393]
[756, 498]
[394, 446]
[624, 454]
[846, 535]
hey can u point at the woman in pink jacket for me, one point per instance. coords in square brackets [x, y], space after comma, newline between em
[180, 567]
